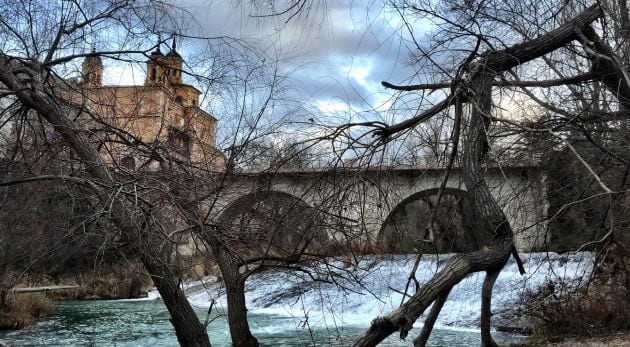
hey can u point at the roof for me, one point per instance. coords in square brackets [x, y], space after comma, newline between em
[173, 53]
[93, 57]
[157, 52]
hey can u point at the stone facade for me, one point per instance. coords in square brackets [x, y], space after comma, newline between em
[359, 201]
[163, 114]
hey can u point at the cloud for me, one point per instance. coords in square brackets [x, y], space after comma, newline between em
[342, 52]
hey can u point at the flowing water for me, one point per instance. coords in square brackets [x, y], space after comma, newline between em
[290, 309]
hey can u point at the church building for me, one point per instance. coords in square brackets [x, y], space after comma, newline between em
[160, 118]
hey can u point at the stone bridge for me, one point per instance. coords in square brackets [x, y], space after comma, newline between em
[363, 200]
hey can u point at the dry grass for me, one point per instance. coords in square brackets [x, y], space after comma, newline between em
[588, 313]
[119, 281]
[617, 339]
[600, 308]
[22, 310]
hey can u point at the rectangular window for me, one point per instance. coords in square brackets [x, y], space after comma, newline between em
[179, 141]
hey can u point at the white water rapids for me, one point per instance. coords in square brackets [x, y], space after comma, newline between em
[346, 302]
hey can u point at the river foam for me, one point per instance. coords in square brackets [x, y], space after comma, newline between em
[354, 297]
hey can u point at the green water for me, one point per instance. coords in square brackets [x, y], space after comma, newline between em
[145, 323]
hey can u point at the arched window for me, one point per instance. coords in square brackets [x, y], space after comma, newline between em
[179, 99]
[153, 74]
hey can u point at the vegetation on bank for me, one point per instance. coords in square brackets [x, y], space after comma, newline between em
[598, 307]
[20, 310]
[117, 281]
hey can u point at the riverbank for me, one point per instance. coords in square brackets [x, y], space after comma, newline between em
[21, 309]
[618, 339]
[117, 281]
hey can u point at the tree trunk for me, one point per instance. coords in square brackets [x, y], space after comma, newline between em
[188, 328]
[456, 270]
[237, 313]
[235, 291]
[487, 210]
[611, 71]
[486, 308]
[422, 339]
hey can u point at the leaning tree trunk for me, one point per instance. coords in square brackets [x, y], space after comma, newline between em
[427, 328]
[189, 330]
[35, 94]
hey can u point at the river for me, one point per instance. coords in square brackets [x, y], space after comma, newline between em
[289, 309]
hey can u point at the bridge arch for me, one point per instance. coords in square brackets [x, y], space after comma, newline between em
[349, 206]
[272, 222]
[407, 227]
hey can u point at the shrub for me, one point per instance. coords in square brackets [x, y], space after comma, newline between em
[588, 312]
[21, 310]
[599, 307]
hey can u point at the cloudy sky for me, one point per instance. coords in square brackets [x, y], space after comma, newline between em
[337, 57]
[339, 54]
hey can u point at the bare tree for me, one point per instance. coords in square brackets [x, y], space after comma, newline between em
[471, 83]
[523, 73]
[159, 185]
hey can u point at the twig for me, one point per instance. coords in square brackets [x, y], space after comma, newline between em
[208, 320]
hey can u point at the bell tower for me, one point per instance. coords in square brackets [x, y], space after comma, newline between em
[92, 70]
[156, 68]
[174, 63]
